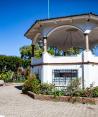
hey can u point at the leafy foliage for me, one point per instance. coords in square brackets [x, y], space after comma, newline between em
[11, 63]
[26, 52]
[73, 88]
[95, 91]
[57, 92]
[6, 76]
[34, 85]
[90, 92]
[31, 84]
[46, 88]
[26, 63]
[51, 51]
[72, 51]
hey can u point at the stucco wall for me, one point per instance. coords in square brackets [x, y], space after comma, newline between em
[45, 71]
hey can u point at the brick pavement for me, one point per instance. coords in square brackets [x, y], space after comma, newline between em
[15, 104]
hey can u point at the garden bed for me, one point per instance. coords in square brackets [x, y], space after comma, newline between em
[83, 100]
[73, 93]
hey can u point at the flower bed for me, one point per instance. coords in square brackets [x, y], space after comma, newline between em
[82, 100]
[73, 93]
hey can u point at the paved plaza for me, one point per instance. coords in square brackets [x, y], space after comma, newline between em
[15, 104]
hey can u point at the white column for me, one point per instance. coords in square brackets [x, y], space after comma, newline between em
[87, 41]
[45, 44]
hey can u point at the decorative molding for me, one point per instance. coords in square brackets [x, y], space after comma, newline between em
[76, 63]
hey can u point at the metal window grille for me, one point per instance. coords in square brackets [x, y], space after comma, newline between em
[61, 77]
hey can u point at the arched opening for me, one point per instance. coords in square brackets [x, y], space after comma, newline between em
[65, 37]
[93, 41]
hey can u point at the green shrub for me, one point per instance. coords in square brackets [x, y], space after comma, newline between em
[73, 88]
[27, 86]
[95, 91]
[31, 84]
[46, 88]
[6, 76]
[57, 92]
[88, 92]
[81, 93]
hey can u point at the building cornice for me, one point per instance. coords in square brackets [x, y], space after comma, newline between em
[75, 63]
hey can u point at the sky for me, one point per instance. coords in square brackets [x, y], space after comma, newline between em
[16, 16]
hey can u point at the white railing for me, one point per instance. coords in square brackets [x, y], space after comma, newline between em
[47, 58]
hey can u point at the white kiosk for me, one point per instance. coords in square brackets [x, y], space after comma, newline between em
[63, 33]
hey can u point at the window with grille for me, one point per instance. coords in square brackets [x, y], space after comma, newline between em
[62, 77]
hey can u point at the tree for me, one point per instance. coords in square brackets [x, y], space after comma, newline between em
[26, 52]
[11, 63]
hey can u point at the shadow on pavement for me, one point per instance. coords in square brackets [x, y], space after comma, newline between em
[18, 87]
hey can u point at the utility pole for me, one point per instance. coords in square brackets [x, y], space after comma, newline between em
[48, 9]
